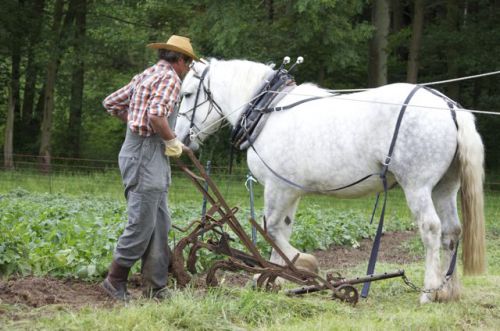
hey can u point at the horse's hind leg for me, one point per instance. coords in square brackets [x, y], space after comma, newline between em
[421, 205]
[444, 196]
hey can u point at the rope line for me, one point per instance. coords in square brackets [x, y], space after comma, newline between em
[476, 111]
[402, 104]
[424, 84]
[462, 78]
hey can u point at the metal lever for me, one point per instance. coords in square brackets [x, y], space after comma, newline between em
[286, 60]
[300, 60]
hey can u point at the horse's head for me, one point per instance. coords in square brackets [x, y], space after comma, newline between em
[199, 114]
[216, 91]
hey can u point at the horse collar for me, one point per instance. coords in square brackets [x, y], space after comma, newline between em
[252, 120]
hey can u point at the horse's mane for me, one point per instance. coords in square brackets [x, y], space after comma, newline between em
[237, 71]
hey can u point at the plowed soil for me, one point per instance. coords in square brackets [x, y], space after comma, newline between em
[43, 291]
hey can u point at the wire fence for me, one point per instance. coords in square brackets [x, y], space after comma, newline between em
[102, 177]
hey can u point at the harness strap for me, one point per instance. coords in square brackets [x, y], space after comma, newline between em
[203, 74]
[376, 241]
[383, 176]
[289, 182]
[451, 103]
[270, 110]
[453, 262]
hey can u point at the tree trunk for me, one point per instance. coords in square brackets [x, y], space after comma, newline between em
[397, 15]
[377, 71]
[13, 103]
[453, 23]
[50, 80]
[31, 67]
[9, 134]
[416, 38]
[77, 84]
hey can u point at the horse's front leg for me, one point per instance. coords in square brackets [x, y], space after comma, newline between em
[280, 207]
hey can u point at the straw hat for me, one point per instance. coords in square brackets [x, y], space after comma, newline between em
[176, 44]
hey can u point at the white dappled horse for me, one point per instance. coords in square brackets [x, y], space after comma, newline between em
[334, 141]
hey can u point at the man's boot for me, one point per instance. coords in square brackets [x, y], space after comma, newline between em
[159, 294]
[115, 284]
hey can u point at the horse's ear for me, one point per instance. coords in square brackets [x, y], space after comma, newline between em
[197, 66]
[271, 64]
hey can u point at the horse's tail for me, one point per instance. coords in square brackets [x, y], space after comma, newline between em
[471, 159]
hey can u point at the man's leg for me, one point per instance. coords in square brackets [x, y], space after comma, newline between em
[155, 260]
[133, 243]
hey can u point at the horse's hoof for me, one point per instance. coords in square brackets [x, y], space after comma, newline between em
[427, 298]
[424, 298]
[307, 262]
[448, 294]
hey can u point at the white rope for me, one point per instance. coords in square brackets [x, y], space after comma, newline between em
[379, 102]
[424, 84]
[397, 104]
[462, 78]
[357, 100]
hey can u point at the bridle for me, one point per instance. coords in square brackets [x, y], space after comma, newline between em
[213, 105]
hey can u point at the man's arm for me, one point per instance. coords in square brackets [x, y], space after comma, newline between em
[162, 102]
[161, 127]
[117, 102]
[173, 146]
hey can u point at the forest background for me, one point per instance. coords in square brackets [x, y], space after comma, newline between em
[60, 58]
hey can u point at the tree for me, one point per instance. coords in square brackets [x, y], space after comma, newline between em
[13, 108]
[453, 25]
[58, 37]
[9, 133]
[77, 82]
[377, 66]
[35, 28]
[27, 121]
[416, 39]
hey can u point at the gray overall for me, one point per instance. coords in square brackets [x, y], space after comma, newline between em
[145, 173]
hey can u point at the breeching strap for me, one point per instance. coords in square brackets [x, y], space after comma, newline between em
[383, 177]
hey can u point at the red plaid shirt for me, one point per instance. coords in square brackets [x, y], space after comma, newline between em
[154, 91]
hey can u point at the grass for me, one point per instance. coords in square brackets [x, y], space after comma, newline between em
[391, 305]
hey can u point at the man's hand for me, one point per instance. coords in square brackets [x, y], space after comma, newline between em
[173, 147]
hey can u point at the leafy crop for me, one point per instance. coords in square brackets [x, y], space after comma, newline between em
[317, 228]
[73, 236]
[50, 234]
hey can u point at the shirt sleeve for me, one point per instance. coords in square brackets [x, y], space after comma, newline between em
[118, 101]
[164, 95]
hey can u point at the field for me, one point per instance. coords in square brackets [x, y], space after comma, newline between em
[57, 234]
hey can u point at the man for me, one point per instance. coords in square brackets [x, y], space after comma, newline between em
[144, 104]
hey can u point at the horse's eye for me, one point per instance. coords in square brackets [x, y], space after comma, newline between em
[187, 95]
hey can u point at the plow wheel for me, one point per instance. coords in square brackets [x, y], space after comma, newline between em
[192, 258]
[224, 265]
[180, 274]
[346, 293]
